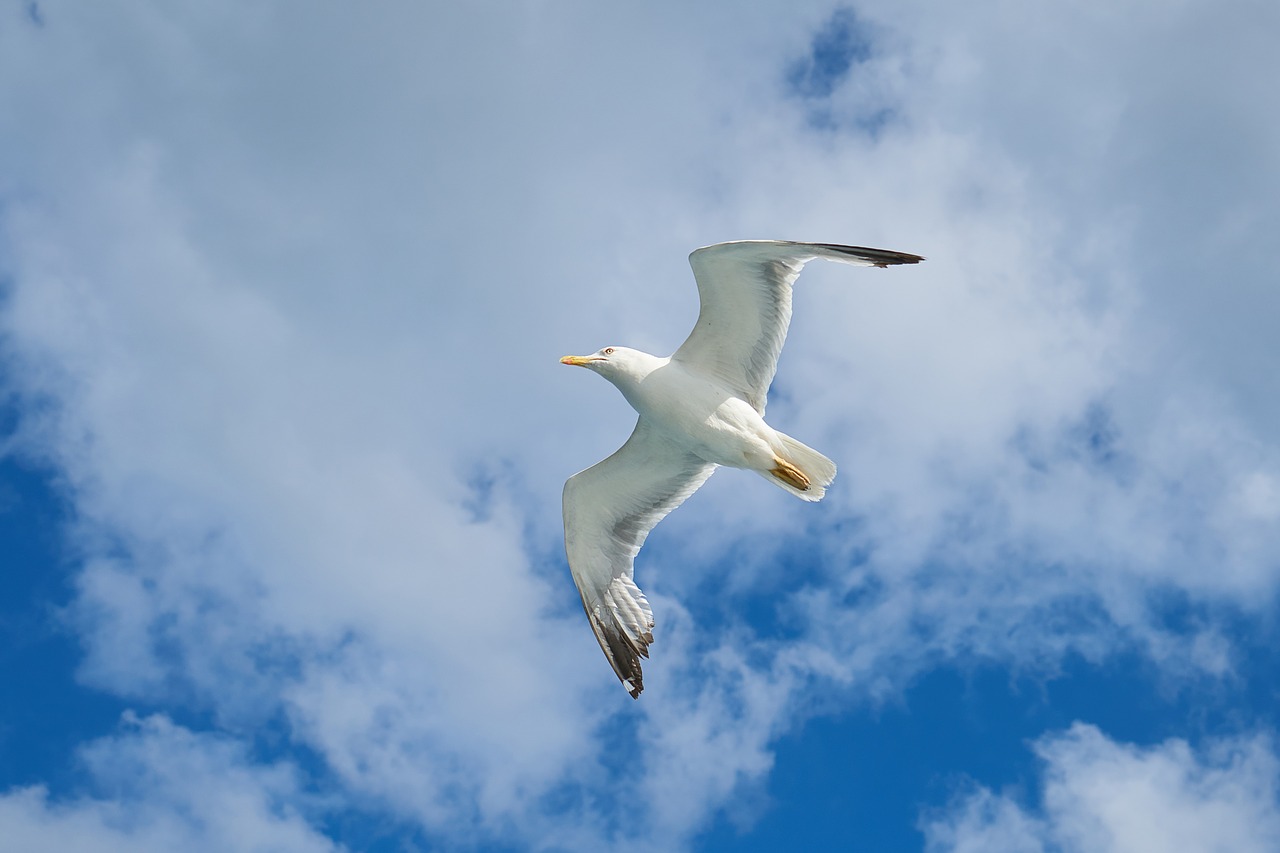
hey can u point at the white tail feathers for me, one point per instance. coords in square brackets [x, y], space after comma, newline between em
[820, 470]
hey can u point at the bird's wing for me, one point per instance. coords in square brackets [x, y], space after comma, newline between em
[745, 293]
[609, 510]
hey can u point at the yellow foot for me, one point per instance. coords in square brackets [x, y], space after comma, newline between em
[789, 474]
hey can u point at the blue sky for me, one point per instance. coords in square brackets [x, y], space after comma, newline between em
[283, 431]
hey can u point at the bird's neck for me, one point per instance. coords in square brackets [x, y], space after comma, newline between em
[632, 380]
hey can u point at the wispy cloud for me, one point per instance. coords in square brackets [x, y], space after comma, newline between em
[1107, 796]
[157, 786]
[276, 291]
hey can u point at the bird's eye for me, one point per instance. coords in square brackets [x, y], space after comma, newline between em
[608, 350]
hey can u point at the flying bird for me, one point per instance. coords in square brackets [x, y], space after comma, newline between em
[701, 407]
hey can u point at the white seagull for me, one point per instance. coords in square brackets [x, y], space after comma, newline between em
[701, 407]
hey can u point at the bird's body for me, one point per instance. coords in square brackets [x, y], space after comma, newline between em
[706, 417]
[700, 408]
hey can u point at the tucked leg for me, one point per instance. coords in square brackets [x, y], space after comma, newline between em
[789, 474]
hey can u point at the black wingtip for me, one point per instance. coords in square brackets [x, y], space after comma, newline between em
[882, 258]
[621, 654]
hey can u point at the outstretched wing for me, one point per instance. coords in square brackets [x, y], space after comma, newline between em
[609, 510]
[745, 293]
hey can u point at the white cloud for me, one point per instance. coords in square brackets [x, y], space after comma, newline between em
[163, 788]
[1100, 795]
[284, 284]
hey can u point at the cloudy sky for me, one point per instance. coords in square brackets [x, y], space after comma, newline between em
[283, 287]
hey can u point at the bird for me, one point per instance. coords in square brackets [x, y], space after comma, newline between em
[700, 408]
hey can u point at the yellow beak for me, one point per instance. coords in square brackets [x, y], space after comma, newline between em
[577, 360]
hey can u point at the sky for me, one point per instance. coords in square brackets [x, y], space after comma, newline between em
[283, 290]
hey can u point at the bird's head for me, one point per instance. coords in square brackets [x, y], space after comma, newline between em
[597, 360]
[616, 363]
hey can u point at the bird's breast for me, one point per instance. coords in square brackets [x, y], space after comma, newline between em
[699, 413]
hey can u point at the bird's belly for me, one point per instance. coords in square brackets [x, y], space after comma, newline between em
[713, 424]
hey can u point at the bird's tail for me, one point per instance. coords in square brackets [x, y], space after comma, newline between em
[805, 472]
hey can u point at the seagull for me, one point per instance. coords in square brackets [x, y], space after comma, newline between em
[700, 408]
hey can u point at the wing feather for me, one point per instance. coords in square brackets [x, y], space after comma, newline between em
[609, 510]
[745, 293]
